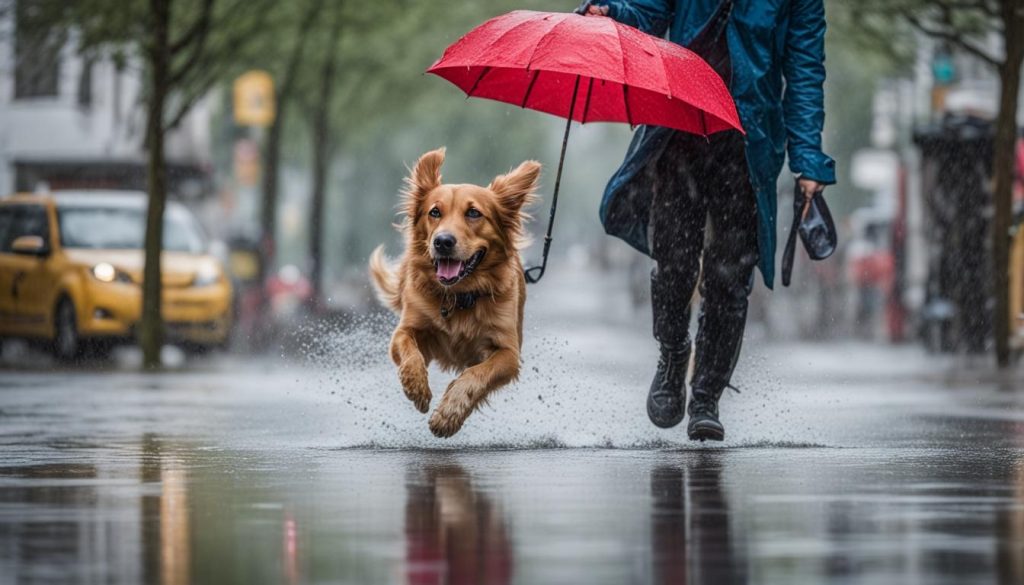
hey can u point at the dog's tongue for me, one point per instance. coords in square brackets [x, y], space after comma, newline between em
[448, 269]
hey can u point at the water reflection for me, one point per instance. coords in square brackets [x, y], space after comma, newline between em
[165, 527]
[165, 512]
[455, 534]
[1010, 555]
[73, 521]
[690, 524]
[290, 550]
[48, 534]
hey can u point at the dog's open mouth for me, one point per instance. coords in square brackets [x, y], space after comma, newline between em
[451, 270]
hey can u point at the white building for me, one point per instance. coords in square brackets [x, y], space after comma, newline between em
[68, 122]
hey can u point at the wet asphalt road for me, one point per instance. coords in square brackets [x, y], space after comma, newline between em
[844, 463]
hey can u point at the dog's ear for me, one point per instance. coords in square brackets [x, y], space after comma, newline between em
[516, 188]
[424, 177]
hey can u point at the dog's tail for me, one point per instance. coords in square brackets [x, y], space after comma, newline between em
[385, 280]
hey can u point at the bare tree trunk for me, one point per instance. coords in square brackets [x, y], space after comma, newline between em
[271, 158]
[272, 152]
[1005, 143]
[321, 160]
[158, 52]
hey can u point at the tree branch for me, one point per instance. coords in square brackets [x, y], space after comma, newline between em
[198, 93]
[205, 77]
[198, 29]
[231, 43]
[284, 89]
[196, 38]
[950, 37]
[877, 34]
[983, 6]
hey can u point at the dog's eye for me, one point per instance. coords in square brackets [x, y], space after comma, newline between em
[435, 212]
[473, 213]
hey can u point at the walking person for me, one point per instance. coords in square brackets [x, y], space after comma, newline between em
[679, 197]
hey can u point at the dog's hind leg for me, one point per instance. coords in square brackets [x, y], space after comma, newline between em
[412, 368]
[467, 391]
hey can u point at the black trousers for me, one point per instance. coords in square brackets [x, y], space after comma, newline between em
[703, 207]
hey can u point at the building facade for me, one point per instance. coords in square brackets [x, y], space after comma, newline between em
[72, 121]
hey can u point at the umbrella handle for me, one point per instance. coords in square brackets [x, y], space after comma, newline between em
[534, 273]
[582, 8]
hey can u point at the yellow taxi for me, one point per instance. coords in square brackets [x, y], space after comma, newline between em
[71, 272]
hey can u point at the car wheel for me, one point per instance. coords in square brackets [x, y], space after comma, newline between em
[66, 343]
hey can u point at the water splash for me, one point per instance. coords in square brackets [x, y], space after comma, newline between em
[580, 386]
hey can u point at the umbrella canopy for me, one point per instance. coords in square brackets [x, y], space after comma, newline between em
[588, 69]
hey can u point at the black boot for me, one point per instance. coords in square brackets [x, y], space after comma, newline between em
[670, 304]
[666, 402]
[703, 411]
[719, 337]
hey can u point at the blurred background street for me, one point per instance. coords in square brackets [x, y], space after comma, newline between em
[284, 152]
[248, 426]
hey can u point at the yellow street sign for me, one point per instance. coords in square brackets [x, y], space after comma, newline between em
[254, 99]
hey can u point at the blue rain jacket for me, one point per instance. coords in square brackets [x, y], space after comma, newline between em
[777, 53]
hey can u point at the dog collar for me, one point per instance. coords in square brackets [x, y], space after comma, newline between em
[462, 300]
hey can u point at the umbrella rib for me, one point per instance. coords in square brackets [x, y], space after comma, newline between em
[529, 88]
[533, 53]
[515, 27]
[625, 101]
[625, 82]
[664, 69]
[478, 79]
[501, 37]
[586, 104]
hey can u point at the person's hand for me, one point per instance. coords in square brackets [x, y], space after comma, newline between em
[597, 10]
[809, 187]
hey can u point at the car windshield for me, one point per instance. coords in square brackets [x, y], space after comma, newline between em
[120, 228]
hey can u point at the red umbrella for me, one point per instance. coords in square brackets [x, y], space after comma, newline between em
[588, 69]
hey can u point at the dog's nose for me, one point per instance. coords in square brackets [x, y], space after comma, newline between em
[444, 243]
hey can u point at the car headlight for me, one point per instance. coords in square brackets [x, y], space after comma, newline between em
[208, 273]
[105, 272]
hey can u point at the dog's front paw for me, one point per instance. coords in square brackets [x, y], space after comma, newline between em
[444, 425]
[416, 386]
[453, 410]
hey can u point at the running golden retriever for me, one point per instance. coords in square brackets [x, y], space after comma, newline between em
[459, 288]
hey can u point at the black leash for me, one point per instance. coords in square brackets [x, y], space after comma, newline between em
[534, 274]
